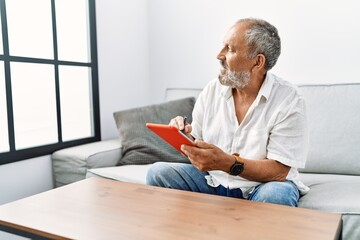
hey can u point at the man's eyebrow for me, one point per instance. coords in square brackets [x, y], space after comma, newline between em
[231, 45]
[226, 44]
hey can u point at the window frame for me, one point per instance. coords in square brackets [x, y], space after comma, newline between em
[14, 155]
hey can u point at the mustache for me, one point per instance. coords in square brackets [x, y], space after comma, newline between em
[223, 64]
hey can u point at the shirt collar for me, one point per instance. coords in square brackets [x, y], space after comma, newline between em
[266, 87]
[226, 92]
[264, 91]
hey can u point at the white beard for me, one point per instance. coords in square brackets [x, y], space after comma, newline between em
[234, 79]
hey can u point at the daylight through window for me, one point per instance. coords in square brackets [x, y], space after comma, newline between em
[48, 77]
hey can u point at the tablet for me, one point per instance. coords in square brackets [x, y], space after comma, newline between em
[171, 135]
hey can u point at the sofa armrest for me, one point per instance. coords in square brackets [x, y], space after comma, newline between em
[71, 164]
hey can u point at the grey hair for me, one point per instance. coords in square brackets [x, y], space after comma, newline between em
[263, 38]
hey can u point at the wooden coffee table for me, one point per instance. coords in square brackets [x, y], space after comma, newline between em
[98, 208]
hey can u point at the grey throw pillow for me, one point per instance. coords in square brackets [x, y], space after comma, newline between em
[141, 145]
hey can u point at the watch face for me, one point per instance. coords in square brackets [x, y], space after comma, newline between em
[236, 169]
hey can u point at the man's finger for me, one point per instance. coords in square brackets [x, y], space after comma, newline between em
[180, 122]
[202, 144]
[184, 149]
[190, 151]
[177, 122]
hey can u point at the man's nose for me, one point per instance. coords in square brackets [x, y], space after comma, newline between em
[221, 55]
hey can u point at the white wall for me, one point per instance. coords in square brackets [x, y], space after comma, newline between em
[320, 39]
[25, 178]
[123, 55]
[184, 36]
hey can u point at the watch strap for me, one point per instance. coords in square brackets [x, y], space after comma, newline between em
[238, 158]
[238, 165]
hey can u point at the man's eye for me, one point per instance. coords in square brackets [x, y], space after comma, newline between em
[230, 49]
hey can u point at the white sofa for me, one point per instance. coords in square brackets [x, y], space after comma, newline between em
[332, 171]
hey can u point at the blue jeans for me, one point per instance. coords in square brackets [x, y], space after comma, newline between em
[186, 177]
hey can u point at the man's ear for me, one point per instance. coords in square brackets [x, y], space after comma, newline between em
[260, 60]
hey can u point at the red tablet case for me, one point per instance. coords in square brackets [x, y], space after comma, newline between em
[171, 135]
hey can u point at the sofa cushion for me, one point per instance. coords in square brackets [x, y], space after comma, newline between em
[334, 129]
[126, 173]
[70, 164]
[337, 194]
[142, 146]
[350, 227]
[331, 193]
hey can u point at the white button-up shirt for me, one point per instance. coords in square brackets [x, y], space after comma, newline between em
[274, 127]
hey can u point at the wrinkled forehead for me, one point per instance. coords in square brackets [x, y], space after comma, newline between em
[236, 34]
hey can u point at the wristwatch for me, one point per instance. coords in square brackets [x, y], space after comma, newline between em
[237, 167]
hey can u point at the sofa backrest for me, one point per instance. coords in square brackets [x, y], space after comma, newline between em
[333, 113]
[176, 93]
[334, 128]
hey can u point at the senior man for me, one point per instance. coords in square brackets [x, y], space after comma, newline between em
[249, 126]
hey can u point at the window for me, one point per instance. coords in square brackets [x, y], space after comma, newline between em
[4, 143]
[48, 77]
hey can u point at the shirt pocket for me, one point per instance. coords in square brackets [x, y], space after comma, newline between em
[255, 143]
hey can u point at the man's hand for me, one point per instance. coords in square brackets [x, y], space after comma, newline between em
[207, 157]
[178, 122]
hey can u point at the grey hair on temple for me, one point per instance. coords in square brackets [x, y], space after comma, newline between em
[262, 38]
